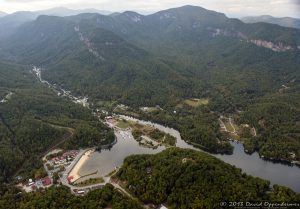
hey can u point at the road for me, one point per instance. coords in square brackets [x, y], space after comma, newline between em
[117, 186]
[254, 131]
[64, 178]
[223, 125]
[234, 131]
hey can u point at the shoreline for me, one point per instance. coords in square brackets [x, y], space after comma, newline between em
[269, 159]
[75, 170]
[198, 146]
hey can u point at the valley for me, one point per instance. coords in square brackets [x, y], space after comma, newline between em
[106, 161]
[181, 108]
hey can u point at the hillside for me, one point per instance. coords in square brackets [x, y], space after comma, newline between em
[89, 55]
[188, 28]
[282, 21]
[190, 179]
[168, 57]
[202, 42]
[55, 197]
[10, 22]
[63, 11]
[34, 119]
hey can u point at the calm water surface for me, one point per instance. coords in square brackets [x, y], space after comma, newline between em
[106, 160]
[276, 173]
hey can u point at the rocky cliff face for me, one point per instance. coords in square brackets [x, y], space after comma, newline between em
[87, 43]
[276, 47]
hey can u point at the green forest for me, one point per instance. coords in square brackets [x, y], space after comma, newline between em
[34, 120]
[61, 197]
[149, 66]
[162, 63]
[183, 178]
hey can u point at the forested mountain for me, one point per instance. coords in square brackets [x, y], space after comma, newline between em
[33, 120]
[177, 178]
[97, 60]
[190, 179]
[61, 197]
[62, 11]
[188, 28]
[193, 42]
[282, 21]
[164, 58]
[10, 22]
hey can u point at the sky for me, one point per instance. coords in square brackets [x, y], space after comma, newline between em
[232, 8]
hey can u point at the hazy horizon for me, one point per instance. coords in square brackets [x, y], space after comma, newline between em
[232, 8]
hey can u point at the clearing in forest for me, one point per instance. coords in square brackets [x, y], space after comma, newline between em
[196, 102]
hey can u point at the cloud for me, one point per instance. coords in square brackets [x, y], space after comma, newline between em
[297, 2]
[26, 1]
[20, 1]
[230, 7]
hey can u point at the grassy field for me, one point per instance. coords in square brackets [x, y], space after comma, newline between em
[90, 182]
[139, 130]
[229, 126]
[150, 109]
[196, 102]
[123, 124]
[108, 104]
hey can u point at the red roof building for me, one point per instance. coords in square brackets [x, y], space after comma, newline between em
[46, 181]
[70, 178]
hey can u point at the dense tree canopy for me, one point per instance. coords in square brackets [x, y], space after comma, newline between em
[190, 179]
[61, 197]
[33, 120]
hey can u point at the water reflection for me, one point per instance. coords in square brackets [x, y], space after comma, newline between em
[106, 160]
[276, 173]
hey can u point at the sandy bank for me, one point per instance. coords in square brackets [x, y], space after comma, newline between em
[75, 171]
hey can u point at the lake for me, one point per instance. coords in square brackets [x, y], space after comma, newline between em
[106, 160]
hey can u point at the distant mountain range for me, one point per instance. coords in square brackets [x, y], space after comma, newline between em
[282, 21]
[120, 52]
[62, 11]
[11, 21]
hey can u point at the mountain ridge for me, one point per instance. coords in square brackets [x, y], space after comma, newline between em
[12, 21]
[64, 11]
[195, 20]
[282, 21]
[247, 71]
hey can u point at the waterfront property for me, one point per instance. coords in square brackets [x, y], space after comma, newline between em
[107, 160]
[74, 174]
[34, 184]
